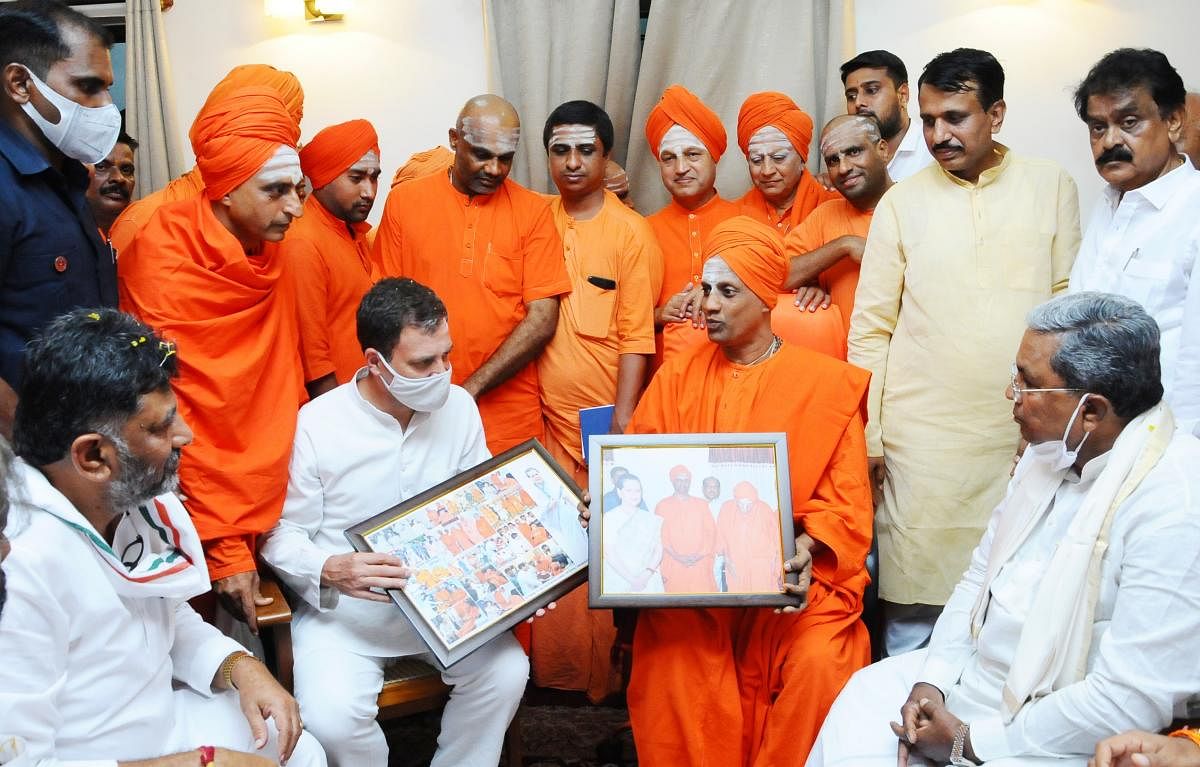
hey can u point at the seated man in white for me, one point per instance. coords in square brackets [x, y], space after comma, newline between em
[396, 430]
[1078, 615]
[103, 661]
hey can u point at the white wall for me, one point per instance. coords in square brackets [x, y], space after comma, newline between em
[1046, 47]
[406, 65]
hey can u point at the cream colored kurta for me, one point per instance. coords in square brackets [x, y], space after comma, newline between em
[949, 273]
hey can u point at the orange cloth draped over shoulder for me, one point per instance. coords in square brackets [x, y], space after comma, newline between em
[327, 261]
[486, 257]
[744, 686]
[833, 219]
[424, 163]
[191, 184]
[234, 319]
[689, 538]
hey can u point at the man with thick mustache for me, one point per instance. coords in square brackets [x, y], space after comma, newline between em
[112, 182]
[1143, 239]
[955, 257]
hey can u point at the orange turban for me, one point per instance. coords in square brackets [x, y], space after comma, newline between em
[335, 149]
[251, 75]
[776, 109]
[754, 251]
[679, 472]
[679, 106]
[235, 137]
[423, 164]
[744, 491]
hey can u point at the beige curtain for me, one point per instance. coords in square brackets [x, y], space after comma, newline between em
[150, 113]
[724, 50]
[544, 52]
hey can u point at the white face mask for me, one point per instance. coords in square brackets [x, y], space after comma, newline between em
[1055, 452]
[424, 395]
[86, 134]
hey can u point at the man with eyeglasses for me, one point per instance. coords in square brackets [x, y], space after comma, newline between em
[1077, 616]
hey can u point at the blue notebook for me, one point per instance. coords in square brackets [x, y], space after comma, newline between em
[594, 420]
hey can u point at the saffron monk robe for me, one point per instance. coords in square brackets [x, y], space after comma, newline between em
[190, 185]
[207, 273]
[750, 686]
[687, 140]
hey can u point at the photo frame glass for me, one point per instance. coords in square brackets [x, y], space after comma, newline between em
[690, 520]
[486, 548]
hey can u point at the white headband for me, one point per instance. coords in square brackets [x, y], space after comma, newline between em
[678, 139]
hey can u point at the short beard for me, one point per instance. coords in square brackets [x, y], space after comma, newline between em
[140, 481]
[890, 127]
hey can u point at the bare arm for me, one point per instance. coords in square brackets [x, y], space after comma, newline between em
[525, 342]
[631, 372]
[806, 268]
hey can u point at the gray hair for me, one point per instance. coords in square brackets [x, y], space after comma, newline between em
[1108, 345]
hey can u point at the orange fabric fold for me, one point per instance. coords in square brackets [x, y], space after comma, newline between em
[235, 137]
[336, 148]
[679, 106]
[284, 83]
[809, 196]
[776, 109]
[240, 381]
[424, 163]
[755, 254]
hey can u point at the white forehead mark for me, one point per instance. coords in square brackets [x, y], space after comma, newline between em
[679, 139]
[487, 134]
[284, 165]
[847, 132]
[573, 135]
[716, 270]
[768, 140]
[368, 163]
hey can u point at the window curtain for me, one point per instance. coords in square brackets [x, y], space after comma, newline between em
[150, 113]
[541, 54]
[724, 50]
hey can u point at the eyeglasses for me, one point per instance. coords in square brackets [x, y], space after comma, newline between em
[1018, 391]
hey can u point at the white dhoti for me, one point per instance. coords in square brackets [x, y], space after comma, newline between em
[218, 721]
[337, 691]
[856, 731]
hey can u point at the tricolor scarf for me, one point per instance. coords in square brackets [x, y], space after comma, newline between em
[1055, 641]
[168, 561]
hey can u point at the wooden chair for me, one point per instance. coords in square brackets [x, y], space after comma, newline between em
[410, 686]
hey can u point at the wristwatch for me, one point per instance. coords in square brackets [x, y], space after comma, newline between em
[956, 751]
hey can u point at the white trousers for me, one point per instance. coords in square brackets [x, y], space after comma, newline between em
[856, 731]
[337, 690]
[219, 721]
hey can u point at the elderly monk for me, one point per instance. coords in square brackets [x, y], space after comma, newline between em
[775, 136]
[748, 530]
[689, 538]
[598, 356]
[749, 686]
[488, 247]
[190, 185]
[828, 246]
[687, 139]
[207, 272]
[326, 255]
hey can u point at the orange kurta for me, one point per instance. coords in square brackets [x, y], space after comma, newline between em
[688, 533]
[572, 645]
[329, 269]
[680, 233]
[486, 257]
[701, 677]
[240, 381]
[829, 221]
[809, 195]
[747, 539]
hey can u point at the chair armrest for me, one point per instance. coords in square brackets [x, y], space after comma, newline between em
[278, 612]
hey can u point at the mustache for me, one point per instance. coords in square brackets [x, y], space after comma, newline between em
[112, 186]
[947, 145]
[1118, 153]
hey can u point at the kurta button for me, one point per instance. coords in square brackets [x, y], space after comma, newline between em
[60, 264]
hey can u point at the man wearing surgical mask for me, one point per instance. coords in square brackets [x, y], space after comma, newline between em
[397, 429]
[55, 115]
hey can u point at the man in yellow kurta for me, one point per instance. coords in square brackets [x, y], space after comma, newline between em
[956, 257]
[598, 356]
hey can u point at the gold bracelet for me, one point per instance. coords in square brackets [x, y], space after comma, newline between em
[228, 664]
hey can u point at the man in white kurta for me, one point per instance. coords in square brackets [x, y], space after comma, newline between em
[1143, 237]
[955, 257]
[1077, 616]
[103, 658]
[361, 450]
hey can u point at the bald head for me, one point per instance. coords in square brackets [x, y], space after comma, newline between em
[855, 153]
[484, 140]
[1189, 134]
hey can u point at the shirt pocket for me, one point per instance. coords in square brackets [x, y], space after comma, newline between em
[1146, 278]
[502, 272]
[39, 282]
[596, 308]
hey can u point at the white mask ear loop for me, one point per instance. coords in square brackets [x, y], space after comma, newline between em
[1069, 456]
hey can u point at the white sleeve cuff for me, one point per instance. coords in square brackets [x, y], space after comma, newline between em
[989, 739]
